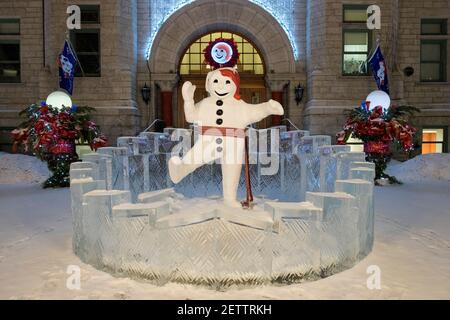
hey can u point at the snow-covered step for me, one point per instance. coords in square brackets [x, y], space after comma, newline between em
[154, 211]
[301, 210]
[152, 196]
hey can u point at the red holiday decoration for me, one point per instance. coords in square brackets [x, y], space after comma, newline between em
[378, 129]
[51, 134]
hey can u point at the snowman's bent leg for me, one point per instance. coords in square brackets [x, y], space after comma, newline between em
[199, 155]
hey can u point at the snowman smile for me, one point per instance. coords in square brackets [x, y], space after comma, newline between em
[221, 94]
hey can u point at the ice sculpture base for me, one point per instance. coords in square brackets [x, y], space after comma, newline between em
[313, 216]
[169, 238]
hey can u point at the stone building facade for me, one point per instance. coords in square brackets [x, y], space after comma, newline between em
[300, 41]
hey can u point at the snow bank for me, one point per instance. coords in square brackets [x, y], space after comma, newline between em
[433, 166]
[19, 168]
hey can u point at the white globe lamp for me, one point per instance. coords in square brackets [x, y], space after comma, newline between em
[379, 98]
[59, 100]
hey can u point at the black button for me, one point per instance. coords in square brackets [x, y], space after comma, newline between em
[219, 121]
[219, 102]
[219, 140]
[219, 112]
[219, 149]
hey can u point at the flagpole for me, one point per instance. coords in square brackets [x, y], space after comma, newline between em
[375, 49]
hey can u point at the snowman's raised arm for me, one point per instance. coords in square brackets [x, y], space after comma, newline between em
[190, 109]
[256, 112]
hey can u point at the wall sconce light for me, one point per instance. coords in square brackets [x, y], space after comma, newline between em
[145, 91]
[299, 90]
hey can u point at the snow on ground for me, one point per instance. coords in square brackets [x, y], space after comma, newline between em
[21, 168]
[433, 166]
[412, 249]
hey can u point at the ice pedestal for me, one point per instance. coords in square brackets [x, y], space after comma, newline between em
[313, 215]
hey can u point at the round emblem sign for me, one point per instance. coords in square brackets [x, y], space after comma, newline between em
[221, 53]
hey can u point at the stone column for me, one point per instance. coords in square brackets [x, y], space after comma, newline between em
[167, 83]
[276, 87]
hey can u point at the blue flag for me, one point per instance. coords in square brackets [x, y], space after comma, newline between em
[379, 70]
[67, 63]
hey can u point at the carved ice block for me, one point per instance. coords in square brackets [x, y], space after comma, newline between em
[362, 190]
[153, 211]
[99, 229]
[78, 187]
[367, 174]
[119, 167]
[289, 140]
[153, 196]
[85, 165]
[296, 245]
[310, 144]
[104, 165]
[304, 210]
[344, 159]
[362, 164]
[339, 241]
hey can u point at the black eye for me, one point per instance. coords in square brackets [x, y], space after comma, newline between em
[228, 82]
[216, 81]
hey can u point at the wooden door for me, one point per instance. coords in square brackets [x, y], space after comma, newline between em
[253, 91]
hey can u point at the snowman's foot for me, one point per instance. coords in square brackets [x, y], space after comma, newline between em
[175, 169]
[232, 203]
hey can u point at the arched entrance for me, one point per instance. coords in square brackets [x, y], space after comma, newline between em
[251, 69]
[204, 17]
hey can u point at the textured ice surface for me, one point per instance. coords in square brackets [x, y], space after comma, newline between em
[168, 237]
[313, 215]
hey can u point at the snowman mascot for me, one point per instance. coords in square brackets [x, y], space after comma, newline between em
[222, 118]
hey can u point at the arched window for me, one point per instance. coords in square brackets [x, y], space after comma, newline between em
[193, 60]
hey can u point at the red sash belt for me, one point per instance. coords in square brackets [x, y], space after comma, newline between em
[223, 132]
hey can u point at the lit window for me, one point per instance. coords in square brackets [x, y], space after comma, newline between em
[357, 40]
[434, 140]
[355, 13]
[193, 60]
